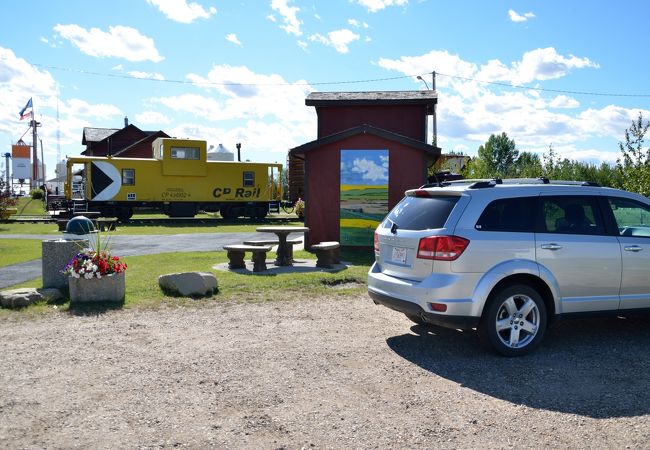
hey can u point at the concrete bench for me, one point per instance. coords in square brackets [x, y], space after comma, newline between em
[236, 254]
[290, 244]
[106, 223]
[327, 253]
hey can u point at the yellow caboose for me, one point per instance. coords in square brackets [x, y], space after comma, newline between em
[179, 181]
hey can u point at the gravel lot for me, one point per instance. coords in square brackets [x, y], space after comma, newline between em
[314, 373]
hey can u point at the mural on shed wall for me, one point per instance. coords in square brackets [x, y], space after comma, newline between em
[364, 195]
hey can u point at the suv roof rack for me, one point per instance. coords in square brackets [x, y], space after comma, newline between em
[482, 183]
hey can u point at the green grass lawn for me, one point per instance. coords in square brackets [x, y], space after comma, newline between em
[13, 251]
[18, 227]
[142, 290]
[28, 207]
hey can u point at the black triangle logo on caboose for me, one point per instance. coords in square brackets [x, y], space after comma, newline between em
[100, 180]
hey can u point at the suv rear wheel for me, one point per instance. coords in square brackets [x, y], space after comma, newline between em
[515, 320]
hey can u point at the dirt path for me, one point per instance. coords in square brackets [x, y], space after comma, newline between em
[322, 373]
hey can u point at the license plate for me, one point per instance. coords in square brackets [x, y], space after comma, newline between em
[399, 255]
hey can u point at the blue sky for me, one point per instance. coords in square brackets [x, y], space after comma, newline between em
[571, 74]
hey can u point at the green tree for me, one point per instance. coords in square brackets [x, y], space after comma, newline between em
[498, 157]
[528, 165]
[634, 163]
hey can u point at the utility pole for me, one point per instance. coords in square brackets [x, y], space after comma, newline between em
[435, 118]
[34, 124]
[8, 185]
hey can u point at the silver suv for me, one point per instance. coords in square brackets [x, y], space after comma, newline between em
[508, 257]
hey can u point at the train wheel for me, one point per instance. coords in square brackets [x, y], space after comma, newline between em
[260, 212]
[228, 213]
[124, 213]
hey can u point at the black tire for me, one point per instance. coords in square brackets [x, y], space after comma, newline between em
[521, 314]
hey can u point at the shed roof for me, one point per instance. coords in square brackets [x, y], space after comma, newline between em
[367, 129]
[421, 97]
[91, 134]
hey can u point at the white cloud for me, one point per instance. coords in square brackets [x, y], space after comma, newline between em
[470, 110]
[339, 39]
[273, 109]
[535, 65]
[562, 101]
[182, 11]
[152, 118]
[378, 5]
[232, 37]
[370, 170]
[546, 64]
[20, 81]
[515, 17]
[146, 75]
[119, 41]
[82, 108]
[270, 139]
[291, 23]
[236, 92]
[356, 24]
[438, 60]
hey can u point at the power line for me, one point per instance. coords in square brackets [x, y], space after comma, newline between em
[530, 88]
[214, 83]
[343, 82]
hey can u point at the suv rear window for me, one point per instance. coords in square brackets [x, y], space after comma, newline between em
[421, 213]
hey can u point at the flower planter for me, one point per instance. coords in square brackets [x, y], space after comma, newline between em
[109, 288]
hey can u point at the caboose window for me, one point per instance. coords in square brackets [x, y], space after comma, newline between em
[128, 177]
[249, 179]
[185, 153]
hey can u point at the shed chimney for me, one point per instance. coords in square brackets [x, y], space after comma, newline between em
[126, 121]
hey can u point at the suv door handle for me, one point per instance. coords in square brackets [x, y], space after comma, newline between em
[551, 247]
[633, 248]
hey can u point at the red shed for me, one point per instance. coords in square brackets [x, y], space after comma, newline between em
[371, 147]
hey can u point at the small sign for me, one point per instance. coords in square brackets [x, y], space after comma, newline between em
[130, 196]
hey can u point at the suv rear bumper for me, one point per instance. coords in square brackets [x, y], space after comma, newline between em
[406, 307]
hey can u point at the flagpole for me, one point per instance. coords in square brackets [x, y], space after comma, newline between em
[34, 148]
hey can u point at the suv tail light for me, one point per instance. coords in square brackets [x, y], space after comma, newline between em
[376, 242]
[442, 248]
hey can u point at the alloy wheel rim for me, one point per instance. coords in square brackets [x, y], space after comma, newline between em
[517, 321]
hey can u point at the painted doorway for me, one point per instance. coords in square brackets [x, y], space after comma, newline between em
[363, 195]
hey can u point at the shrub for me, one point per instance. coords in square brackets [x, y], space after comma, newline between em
[37, 194]
[6, 201]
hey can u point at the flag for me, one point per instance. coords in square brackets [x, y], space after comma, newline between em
[25, 115]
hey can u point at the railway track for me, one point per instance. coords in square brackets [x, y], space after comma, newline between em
[165, 220]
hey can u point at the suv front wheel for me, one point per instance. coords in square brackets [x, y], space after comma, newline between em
[514, 321]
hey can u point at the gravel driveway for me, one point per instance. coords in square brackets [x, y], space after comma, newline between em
[321, 373]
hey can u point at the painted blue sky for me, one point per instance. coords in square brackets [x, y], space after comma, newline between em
[571, 74]
[364, 167]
